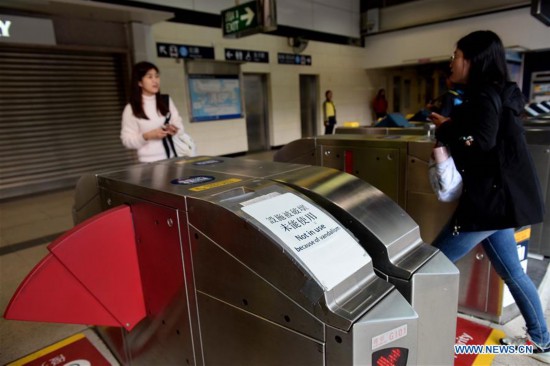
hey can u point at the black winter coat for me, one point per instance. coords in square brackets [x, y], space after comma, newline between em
[500, 186]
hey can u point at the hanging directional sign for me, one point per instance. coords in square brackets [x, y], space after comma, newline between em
[184, 51]
[293, 59]
[249, 18]
[232, 54]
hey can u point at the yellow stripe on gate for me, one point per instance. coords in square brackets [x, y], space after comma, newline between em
[214, 185]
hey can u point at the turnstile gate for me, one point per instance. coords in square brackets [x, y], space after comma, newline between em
[386, 232]
[210, 261]
[398, 166]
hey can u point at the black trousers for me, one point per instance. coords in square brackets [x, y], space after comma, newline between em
[330, 126]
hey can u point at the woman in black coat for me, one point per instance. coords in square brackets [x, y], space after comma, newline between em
[500, 188]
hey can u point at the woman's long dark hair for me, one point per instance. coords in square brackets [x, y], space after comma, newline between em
[136, 101]
[487, 57]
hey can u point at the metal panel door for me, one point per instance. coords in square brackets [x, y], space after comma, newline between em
[255, 99]
[309, 104]
[60, 117]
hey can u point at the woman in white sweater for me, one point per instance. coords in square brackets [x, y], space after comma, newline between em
[143, 119]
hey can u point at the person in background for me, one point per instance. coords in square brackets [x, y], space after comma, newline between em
[380, 104]
[444, 104]
[143, 119]
[500, 187]
[329, 113]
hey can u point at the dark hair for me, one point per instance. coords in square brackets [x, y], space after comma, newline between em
[326, 93]
[136, 101]
[487, 57]
[379, 94]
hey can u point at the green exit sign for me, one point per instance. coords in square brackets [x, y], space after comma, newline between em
[249, 18]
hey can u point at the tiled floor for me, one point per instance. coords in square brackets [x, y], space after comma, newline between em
[24, 222]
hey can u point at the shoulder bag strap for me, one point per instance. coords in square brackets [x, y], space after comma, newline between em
[167, 142]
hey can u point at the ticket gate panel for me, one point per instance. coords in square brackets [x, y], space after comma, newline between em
[160, 339]
[418, 270]
[337, 307]
[481, 289]
[275, 327]
[246, 248]
[221, 276]
[369, 342]
[390, 230]
[377, 166]
[376, 208]
[231, 336]
[434, 296]
[385, 329]
[539, 147]
[380, 167]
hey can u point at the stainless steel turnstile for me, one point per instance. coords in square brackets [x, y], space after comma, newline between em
[398, 166]
[386, 232]
[537, 134]
[244, 262]
[538, 140]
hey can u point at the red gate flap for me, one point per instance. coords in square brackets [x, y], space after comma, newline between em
[50, 293]
[100, 256]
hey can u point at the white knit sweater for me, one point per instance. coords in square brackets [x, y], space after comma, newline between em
[133, 129]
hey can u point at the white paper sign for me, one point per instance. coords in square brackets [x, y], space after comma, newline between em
[330, 253]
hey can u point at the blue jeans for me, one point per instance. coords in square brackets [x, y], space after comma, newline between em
[501, 248]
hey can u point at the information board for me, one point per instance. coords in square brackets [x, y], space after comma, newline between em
[323, 246]
[215, 97]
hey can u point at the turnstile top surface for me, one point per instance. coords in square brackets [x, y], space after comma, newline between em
[336, 274]
[198, 177]
[371, 130]
[371, 140]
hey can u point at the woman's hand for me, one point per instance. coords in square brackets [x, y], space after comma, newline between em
[156, 134]
[171, 129]
[438, 119]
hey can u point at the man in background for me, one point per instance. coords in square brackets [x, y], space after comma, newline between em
[329, 113]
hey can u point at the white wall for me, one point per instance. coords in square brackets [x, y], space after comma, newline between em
[339, 17]
[436, 42]
[343, 69]
[339, 68]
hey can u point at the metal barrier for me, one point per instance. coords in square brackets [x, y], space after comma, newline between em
[242, 262]
[398, 166]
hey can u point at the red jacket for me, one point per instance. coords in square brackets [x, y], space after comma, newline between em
[380, 105]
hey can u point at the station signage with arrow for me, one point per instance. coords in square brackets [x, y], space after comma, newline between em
[249, 18]
[232, 54]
